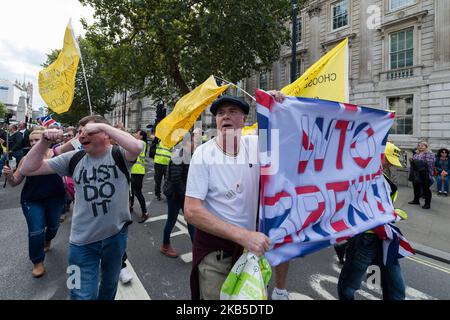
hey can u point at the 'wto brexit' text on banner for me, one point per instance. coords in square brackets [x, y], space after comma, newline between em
[327, 184]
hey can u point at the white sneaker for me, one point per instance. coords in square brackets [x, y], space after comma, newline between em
[125, 276]
[278, 294]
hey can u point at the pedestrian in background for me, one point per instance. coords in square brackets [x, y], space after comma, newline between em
[137, 177]
[162, 158]
[174, 189]
[421, 174]
[15, 143]
[442, 165]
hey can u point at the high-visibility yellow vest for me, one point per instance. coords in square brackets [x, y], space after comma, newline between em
[163, 154]
[139, 166]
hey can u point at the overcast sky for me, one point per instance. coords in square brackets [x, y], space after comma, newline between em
[31, 28]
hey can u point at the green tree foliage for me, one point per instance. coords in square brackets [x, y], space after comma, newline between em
[2, 110]
[164, 48]
[100, 93]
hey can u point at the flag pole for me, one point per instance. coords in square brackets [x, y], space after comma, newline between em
[82, 66]
[237, 87]
[87, 88]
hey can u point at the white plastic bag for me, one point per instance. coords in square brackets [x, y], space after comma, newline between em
[248, 279]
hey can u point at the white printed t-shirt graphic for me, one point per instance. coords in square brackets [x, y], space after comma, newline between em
[101, 197]
[228, 185]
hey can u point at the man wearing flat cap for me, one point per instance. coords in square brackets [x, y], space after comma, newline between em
[222, 199]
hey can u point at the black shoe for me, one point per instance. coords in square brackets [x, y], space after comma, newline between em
[426, 206]
[414, 202]
[439, 193]
[445, 194]
[158, 198]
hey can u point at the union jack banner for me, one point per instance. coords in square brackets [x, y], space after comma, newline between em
[47, 121]
[321, 173]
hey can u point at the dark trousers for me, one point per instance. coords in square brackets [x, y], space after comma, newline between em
[364, 250]
[422, 187]
[174, 205]
[160, 172]
[124, 259]
[136, 190]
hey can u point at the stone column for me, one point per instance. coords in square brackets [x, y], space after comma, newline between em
[441, 34]
[370, 17]
[315, 51]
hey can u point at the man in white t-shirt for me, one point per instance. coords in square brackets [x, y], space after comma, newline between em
[222, 199]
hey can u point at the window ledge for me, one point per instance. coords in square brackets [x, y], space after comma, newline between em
[350, 37]
[415, 16]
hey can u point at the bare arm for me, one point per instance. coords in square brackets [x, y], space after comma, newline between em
[34, 163]
[197, 215]
[66, 147]
[133, 147]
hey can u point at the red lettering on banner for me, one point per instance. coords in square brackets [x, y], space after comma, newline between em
[315, 215]
[286, 240]
[341, 125]
[270, 201]
[307, 145]
[338, 187]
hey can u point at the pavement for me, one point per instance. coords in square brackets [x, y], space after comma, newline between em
[428, 230]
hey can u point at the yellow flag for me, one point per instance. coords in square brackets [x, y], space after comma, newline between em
[250, 130]
[326, 79]
[172, 128]
[57, 81]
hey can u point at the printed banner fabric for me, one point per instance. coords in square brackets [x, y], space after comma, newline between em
[321, 176]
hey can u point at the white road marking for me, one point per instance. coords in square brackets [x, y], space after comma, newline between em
[298, 296]
[187, 257]
[133, 290]
[315, 283]
[411, 293]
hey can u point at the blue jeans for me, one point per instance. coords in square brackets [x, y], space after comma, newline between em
[439, 183]
[43, 223]
[99, 261]
[363, 251]
[174, 205]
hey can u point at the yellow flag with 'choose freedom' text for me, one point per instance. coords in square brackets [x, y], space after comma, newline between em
[327, 79]
[173, 127]
[57, 81]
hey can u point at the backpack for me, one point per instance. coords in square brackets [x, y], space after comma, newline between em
[116, 154]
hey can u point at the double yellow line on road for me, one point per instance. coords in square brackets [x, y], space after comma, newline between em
[429, 264]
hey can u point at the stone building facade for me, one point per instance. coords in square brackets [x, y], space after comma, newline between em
[399, 52]
[139, 112]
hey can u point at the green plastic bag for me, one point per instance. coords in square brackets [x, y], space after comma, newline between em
[248, 279]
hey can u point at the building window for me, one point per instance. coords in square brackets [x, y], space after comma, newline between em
[299, 29]
[397, 4]
[298, 69]
[401, 49]
[263, 80]
[339, 13]
[403, 107]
